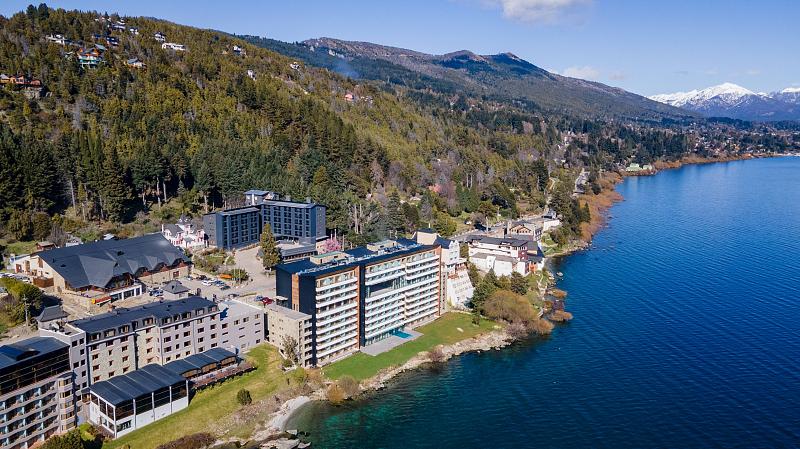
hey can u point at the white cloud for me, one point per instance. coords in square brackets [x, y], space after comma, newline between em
[585, 72]
[535, 10]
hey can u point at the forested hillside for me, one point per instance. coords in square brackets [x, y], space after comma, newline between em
[111, 144]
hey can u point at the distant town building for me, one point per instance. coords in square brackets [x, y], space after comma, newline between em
[159, 36]
[135, 63]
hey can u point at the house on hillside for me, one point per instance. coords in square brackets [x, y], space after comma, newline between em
[173, 46]
[159, 36]
[135, 63]
[57, 39]
[90, 58]
[134, 31]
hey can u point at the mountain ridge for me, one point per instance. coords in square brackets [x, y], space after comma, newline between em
[734, 101]
[503, 76]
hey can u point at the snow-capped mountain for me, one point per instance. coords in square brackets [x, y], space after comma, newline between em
[734, 101]
[789, 95]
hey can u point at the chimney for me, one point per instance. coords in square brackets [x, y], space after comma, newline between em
[308, 199]
[288, 197]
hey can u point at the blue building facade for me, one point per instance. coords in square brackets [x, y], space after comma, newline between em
[301, 222]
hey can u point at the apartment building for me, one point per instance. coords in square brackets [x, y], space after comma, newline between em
[287, 325]
[360, 296]
[36, 392]
[119, 342]
[301, 223]
[457, 288]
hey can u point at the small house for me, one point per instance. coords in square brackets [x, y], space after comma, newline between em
[135, 63]
[160, 37]
[175, 290]
[173, 46]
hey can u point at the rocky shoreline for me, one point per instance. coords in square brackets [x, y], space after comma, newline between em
[275, 434]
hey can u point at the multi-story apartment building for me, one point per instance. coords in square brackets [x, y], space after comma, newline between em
[36, 392]
[457, 288]
[298, 222]
[119, 342]
[363, 295]
[286, 326]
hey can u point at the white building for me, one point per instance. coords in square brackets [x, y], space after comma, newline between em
[173, 46]
[503, 255]
[457, 287]
[184, 235]
[125, 403]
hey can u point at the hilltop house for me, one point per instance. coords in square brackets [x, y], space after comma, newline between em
[159, 36]
[57, 39]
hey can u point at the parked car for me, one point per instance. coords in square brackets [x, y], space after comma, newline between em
[258, 298]
[202, 277]
[208, 283]
[224, 287]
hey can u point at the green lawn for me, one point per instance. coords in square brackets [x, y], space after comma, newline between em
[442, 331]
[211, 405]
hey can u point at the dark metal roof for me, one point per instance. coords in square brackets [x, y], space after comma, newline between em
[14, 353]
[361, 256]
[51, 313]
[511, 241]
[157, 310]
[198, 361]
[96, 263]
[143, 381]
[175, 287]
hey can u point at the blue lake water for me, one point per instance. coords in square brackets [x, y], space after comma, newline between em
[686, 335]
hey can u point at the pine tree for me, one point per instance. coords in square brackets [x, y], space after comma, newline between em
[115, 191]
[270, 256]
[394, 213]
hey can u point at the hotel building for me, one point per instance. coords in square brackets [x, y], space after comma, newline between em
[36, 394]
[360, 296]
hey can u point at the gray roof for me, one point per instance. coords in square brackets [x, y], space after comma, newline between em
[175, 287]
[499, 241]
[173, 228]
[15, 353]
[143, 381]
[287, 312]
[157, 310]
[51, 313]
[198, 361]
[96, 263]
[256, 192]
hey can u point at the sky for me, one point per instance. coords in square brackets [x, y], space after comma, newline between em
[644, 46]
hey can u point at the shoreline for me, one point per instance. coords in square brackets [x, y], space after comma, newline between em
[599, 206]
[277, 421]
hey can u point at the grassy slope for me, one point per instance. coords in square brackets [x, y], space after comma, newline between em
[211, 405]
[442, 331]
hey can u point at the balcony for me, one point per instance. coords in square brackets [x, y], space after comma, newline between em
[321, 316]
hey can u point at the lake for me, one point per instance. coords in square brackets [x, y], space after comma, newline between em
[686, 335]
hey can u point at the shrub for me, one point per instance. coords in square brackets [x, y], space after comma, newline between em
[508, 306]
[541, 327]
[560, 316]
[350, 386]
[335, 394]
[193, 441]
[243, 397]
[70, 440]
[517, 331]
[436, 355]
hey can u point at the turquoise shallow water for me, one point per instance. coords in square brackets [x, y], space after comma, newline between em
[686, 335]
